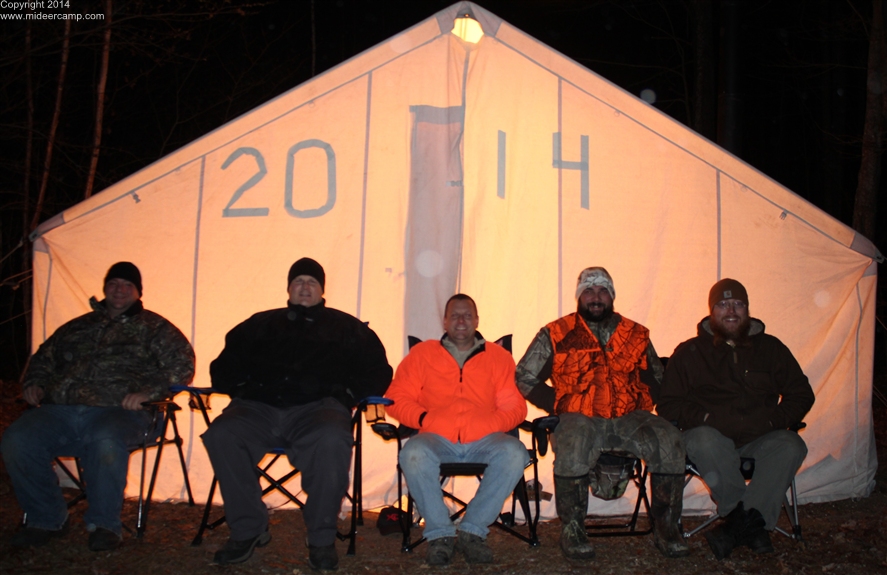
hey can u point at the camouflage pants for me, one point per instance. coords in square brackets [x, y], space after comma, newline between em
[579, 440]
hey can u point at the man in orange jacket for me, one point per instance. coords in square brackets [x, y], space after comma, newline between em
[459, 392]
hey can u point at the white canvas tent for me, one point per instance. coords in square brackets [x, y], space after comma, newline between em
[494, 166]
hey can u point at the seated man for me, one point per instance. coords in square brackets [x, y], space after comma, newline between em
[735, 391]
[293, 375]
[459, 393]
[87, 383]
[604, 368]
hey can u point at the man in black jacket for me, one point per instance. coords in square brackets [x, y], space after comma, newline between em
[293, 375]
[735, 391]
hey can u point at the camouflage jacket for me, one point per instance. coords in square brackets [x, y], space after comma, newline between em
[97, 360]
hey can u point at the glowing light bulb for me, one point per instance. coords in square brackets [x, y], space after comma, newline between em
[468, 29]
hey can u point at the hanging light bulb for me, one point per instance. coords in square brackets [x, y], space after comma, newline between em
[468, 29]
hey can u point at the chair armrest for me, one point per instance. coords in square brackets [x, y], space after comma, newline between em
[541, 428]
[385, 430]
[193, 390]
[167, 404]
[376, 400]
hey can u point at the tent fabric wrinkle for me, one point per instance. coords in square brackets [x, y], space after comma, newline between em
[428, 165]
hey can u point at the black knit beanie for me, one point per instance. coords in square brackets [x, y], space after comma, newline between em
[125, 271]
[727, 289]
[307, 267]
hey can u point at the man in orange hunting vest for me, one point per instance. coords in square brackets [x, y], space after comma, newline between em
[605, 375]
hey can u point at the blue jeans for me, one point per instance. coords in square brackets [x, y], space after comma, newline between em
[101, 437]
[505, 456]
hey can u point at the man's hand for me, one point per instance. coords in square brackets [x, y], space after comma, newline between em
[33, 394]
[133, 401]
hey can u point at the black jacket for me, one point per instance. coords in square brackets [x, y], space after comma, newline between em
[746, 391]
[296, 355]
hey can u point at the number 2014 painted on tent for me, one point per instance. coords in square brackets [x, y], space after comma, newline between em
[232, 212]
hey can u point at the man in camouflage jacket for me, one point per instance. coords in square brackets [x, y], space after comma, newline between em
[87, 383]
[605, 375]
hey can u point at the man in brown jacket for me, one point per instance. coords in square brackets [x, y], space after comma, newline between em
[735, 391]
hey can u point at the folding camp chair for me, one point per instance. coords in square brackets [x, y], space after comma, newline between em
[278, 484]
[747, 468]
[621, 467]
[520, 494]
[156, 436]
[635, 472]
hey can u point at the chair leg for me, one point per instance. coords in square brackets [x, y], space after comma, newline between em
[75, 480]
[198, 539]
[179, 441]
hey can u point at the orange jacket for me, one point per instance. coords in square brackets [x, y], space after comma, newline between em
[462, 405]
[599, 382]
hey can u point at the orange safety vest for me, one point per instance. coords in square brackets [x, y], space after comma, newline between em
[599, 382]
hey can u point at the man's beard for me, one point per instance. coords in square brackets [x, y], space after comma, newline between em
[596, 316]
[738, 334]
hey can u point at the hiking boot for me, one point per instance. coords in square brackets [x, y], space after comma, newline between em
[323, 558]
[440, 551]
[760, 542]
[571, 499]
[34, 537]
[236, 551]
[665, 510]
[728, 535]
[474, 548]
[754, 535]
[103, 540]
[575, 544]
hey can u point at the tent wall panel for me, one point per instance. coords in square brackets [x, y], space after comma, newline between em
[428, 165]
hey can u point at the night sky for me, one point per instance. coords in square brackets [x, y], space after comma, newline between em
[179, 69]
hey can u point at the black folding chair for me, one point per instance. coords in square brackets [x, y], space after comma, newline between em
[156, 437]
[637, 475]
[632, 470]
[520, 496]
[278, 484]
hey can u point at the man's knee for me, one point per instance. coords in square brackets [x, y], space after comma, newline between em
[334, 441]
[418, 454]
[787, 445]
[224, 432]
[22, 440]
[512, 453]
[110, 453]
[13, 444]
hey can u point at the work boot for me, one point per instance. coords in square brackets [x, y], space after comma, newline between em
[238, 551]
[34, 537]
[666, 506]
[323, 558]
[728, 535]
[103, 540]
[754, 535]
[571, 499]
[473, 548]
[440, 551]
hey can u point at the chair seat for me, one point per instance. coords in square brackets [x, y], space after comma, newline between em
[451, 469]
